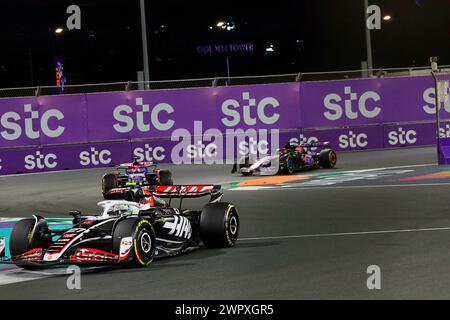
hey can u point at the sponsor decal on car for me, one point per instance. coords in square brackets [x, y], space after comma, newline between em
[125, 247]
[118, 190]
[180, 227]
[93, 255]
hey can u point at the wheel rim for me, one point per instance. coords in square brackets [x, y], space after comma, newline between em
[290, 165]
[332, 158]
[146, 242]
[233, 225]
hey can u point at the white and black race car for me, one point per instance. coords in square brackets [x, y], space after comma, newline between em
[292, 158]
[128, 232]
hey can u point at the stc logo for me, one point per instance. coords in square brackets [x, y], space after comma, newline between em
[149, 153]
[40, 161]
[402, 137]
[429, 96]
[231, 110]
[127, 119]
[353, 140]
[95, 157]
[445, 132]
[336, 110]
[303, 139]
[12, 127]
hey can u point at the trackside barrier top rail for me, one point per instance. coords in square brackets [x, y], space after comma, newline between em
[215, 82]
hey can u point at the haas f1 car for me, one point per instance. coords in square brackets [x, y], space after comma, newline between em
[291, 158]
[128, 233]
[135, 174]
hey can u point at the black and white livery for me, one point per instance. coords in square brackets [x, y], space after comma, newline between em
[128, 232]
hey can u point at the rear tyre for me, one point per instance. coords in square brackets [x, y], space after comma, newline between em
[152, 179]
[327, 158]
[219, 225]
[109, 181]
[142, 236]
[165, 178]
[27, 235]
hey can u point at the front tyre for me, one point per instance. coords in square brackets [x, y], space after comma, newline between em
[219, 225]
[28, 234]
[134, 241]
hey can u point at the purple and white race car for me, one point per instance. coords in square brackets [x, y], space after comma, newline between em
[293, 157]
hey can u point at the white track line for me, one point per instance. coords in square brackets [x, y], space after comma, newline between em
[18, 275]
[398, 167]
[320, 235]
[287, 188]
[46, 172]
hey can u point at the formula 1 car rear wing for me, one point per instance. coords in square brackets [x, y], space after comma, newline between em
[171, 192]
[178, 191]
[315, 144]
[130, 165]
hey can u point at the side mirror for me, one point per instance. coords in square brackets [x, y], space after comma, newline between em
[75, 213]
[76, 217]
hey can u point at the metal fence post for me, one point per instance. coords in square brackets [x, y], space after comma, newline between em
[38, 91]
[214, 82]
[127, 86]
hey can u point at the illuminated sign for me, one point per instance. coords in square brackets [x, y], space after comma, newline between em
[225, 48]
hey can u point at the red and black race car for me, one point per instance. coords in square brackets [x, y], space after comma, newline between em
[128, 233]
[293, 157]
[135, 174]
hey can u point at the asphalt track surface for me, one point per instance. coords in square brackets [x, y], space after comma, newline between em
[297, 242]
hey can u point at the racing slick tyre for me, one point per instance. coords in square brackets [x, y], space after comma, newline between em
[134, 240]
[219, 225]
[327, 158]
[109, 181]
[287, 165]
[165, 178]
[27, 235]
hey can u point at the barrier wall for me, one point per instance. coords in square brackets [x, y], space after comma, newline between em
[101, 129]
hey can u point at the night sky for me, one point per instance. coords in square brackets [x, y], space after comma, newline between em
[319, 35]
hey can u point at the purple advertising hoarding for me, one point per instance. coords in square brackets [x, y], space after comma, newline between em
[259, 106]
[340, 103]
[149, 114]
[102, 129]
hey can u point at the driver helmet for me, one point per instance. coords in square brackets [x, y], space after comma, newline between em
[118, 210]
